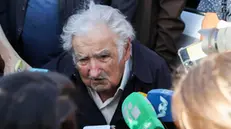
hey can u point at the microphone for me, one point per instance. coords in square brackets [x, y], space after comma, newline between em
[139, 113]
[100, 127]
[161, 100]
[142, 93]
[38, 70]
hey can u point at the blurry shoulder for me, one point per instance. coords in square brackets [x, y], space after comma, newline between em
[147, 55]
[62, 64]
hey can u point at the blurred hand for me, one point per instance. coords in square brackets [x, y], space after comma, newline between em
[210, 21]
[10, 64]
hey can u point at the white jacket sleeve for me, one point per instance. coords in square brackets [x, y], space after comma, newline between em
[223, 24]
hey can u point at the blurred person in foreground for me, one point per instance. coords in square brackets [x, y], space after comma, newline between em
[30, 100]
[202, 98]
[107, 64]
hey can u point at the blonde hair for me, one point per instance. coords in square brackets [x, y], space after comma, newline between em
[202, 98]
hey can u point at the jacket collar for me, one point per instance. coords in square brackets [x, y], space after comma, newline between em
[140, 67]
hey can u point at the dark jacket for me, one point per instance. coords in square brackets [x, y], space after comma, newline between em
[12, 15]
[158, 26]
[147, 73]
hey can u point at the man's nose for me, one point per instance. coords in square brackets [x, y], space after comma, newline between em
[94, 69]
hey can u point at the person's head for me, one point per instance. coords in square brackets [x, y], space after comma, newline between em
[202, 98]
[31, 100]
[99, 39]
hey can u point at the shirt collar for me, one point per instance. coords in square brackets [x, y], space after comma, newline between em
[126, 74]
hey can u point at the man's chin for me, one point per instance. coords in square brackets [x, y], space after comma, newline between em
[100, 88]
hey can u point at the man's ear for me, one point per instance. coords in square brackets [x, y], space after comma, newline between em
[128, 48]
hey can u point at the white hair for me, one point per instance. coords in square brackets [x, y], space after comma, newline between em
[80, 23]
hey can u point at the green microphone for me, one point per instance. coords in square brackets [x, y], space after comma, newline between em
[139, 113]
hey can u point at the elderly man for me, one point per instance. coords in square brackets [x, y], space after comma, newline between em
[107, 64]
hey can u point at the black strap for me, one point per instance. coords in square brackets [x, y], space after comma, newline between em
[224, 11]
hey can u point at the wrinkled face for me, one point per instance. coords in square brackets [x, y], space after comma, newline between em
[98, 58]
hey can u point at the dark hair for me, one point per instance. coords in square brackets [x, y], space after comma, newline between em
[28, 100]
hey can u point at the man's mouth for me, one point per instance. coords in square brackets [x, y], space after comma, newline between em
[98, 79]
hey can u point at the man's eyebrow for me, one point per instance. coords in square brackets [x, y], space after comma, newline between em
[80, 56]
[103, 52]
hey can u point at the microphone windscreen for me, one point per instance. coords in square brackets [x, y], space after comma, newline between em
[139, 113]
[142, 93]
[161, 100]
[38, 70]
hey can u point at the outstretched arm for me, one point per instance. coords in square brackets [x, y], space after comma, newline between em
[9, 55]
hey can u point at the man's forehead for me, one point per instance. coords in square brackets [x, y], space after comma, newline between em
[91, 47]
[97, 36]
